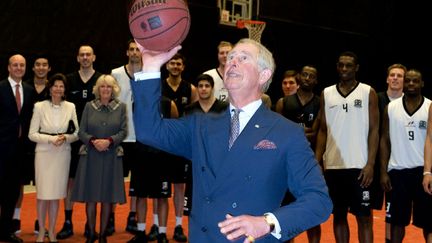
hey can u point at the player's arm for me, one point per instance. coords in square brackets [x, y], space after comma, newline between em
[174, 110]
[311, 132]
[427, 177]
[279, 106]
[194, 94]
[385, 147]
[366, 175]
[322, 133]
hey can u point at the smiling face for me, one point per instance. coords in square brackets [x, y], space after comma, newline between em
[57, 90]
[289, 85]
[105, 91]
[395, 79]
[175, 67]
[16, 67]
[41, 68]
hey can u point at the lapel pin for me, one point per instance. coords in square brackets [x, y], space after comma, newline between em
[256, 125]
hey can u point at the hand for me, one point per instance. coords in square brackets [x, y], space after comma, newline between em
[59, 140]
[250, 227]
[385, 182]
[366, 176]
[427, 184]
[153, 60]
[101, 144]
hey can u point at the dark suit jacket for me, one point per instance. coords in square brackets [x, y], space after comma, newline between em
[270, 156]
[10, 121]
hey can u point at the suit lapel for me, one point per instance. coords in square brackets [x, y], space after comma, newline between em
[236, 159]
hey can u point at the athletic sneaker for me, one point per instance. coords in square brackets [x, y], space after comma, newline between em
[140, 237]
[154, 231]
[162, 238]
[179, 235]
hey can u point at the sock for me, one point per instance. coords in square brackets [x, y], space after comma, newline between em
[387, 240]
[179, 220]
[162, 230]
[68, 216]
[156, 219]
[141, 226]
[17, 213]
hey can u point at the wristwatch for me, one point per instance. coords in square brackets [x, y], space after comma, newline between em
[269, 220]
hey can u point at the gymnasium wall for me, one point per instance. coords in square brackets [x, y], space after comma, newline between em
[298, 32]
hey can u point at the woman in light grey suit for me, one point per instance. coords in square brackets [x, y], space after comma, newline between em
[53, 132]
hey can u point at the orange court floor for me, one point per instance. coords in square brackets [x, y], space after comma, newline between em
[28, 216]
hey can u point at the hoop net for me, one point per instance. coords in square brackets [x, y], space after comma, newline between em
[254, 27]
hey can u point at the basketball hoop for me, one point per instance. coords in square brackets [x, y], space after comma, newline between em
[254, 27]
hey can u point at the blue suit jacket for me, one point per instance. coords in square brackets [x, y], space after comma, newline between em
[249, 178]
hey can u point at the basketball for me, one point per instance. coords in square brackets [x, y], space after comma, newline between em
[159, 25]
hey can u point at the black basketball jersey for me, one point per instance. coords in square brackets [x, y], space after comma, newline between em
[296, 112]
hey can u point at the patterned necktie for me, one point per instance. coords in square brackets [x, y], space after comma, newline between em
[235, 127]
[18, 103]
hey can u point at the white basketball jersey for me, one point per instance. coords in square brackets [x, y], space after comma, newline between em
[219, 90]
[347, 127]
[125, 96]
[407, 135]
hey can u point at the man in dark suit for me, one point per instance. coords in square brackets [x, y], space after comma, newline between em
[16, 109]
[240, 178]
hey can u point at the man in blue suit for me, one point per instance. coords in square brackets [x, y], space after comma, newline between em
[16, 109]
[239, 182]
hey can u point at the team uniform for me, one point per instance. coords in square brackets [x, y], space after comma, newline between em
[79, 93]
[405, 168]
[219, 90]
[217, 107]
[130, 154]
[150, 178]
[304, 115]
[346, 153]
[180, 168]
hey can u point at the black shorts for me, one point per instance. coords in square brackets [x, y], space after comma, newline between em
[75, 146]
[376, 189]
[346, 192]
[149, 177]
[180, 170]
[131, 156]
[408, 197]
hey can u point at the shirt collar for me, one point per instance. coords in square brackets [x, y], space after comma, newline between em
[250, 108]
[112, 105]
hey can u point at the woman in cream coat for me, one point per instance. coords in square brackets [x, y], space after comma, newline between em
[49, 129]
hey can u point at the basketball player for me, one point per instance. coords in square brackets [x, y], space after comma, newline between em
[217, 73]
[124, 75]
[182, 93]
[395, 77]
[206, 102]
[302, 108]
[347, 144]
[80, 91]
[402, 159]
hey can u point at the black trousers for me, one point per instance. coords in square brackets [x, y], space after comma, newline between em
[12, 160]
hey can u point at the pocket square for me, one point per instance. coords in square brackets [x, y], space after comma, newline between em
[265, 144]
